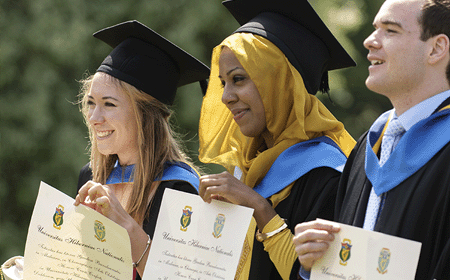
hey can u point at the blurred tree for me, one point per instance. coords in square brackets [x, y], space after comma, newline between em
[46, 46]
[349, 100]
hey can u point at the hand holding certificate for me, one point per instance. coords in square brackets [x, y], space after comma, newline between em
[192, 239]
[360, 254]
[196, 240]
[69, 242]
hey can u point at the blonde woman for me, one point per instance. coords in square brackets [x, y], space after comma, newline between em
[134, 153]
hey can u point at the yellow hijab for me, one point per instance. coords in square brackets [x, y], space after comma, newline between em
[292, 115]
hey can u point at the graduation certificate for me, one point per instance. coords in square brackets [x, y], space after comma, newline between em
[358, 254]
[196, 240]
[70, 242]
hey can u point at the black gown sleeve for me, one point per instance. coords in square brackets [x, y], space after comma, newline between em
[351, 175]
[320, 185]
[150, 222]
[84, 176]
[442, 270]
[311, 197]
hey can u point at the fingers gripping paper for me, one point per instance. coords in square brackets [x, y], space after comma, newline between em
[74, 242]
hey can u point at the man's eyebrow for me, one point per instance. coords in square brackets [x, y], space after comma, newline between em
[389, 22]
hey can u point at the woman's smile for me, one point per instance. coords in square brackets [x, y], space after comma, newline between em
[103, 134]
[238, 114]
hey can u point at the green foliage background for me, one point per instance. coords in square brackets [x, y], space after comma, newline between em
[46, 46]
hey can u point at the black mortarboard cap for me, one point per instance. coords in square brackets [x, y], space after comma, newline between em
[148, 61]
[298, 31]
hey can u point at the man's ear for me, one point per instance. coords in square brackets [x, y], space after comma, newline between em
[440, 45]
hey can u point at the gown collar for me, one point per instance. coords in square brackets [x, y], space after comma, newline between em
[121, 174]
[175, 171]
[416, 147]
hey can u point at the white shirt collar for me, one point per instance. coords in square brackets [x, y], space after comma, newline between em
[422, 110]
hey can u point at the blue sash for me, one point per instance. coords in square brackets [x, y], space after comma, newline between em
[298, 160]
[174, 171]
[120, 174]
[416, 147]
[181, 171]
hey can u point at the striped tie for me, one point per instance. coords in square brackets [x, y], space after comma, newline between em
[394, 129]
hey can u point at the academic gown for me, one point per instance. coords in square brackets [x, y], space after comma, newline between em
[150, 222]
[418, 208]
[311, 197]
[314, 167]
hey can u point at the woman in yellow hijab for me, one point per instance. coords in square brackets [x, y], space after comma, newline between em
[285, 149]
